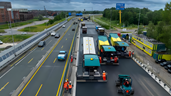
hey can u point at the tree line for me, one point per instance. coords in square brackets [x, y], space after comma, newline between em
[162, 31]
[131, 15]
[56, 18]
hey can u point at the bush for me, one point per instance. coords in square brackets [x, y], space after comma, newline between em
[51, 21]
[40, 17]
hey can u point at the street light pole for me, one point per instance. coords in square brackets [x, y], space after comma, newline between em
[139, 20]
[11, 31]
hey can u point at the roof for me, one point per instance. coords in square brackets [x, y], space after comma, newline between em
[101, 28]
[88, 45]
[84, 27]
[103, 40]
[151, 40]
[91, 60]
[61, 51]
[114, 37]
[109, 48]
[121, 43]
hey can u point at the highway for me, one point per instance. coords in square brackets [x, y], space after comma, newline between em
[143, 84]
[12, 76]
[46, 81]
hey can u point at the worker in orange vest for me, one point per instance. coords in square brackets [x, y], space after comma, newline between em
[116, 59]
[132, 53]
[129, 53]
[66, 85]
[70, 87]
[104, 75]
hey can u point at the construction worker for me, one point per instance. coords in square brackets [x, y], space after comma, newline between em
[66, 85]
[70, 87]
[126, 83]
[104, 75]
[116, 59]
[129, 53]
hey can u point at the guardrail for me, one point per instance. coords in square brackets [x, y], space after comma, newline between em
[12, 53]
[61, 87]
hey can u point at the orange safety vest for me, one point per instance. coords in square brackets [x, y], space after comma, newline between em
[115, 59]
[65, 85]
[70, 86]
[129, 53]
[104, 76]
[132, 53]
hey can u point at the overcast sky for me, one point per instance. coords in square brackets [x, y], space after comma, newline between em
[80, 5]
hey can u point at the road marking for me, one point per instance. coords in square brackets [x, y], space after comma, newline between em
[65, 64]
[30, 60]
[66, 38]
[43, 62]
[33, 48]
[49, 42]
[61, 47]
[42, 48]
[39, 89]
[4, 86]
[54, 60]
[17, 60]
[147, 88]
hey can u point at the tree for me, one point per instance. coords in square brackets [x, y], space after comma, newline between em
[140, 29]
[50, 21]
[40, 17]
[150, 30]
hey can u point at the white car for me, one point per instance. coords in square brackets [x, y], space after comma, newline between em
[1, 42]
[24, 33]
[63, 26]
[53, 33]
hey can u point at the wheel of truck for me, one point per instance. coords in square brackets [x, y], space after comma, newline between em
[117, 83]
[118, 90]
[132, 93]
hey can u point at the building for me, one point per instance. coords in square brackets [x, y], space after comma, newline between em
[3, 12]
[150, 46]
[14, 15]
[24, 14]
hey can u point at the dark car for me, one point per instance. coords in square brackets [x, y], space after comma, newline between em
[167, 67]
[165, 63]
[169, 70]
[41, 44]
[73, 29]
[160, 60]
[57, 35]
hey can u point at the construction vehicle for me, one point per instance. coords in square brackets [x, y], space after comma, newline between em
[125, 89]
[106, 52]
[84, 29]
[82, 24]
[120, 46]
[101, 31]
[90, 69]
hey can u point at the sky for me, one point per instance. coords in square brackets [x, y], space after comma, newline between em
[89, 5]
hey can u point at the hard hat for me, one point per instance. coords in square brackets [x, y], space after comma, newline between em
[65, 80]
[103, 71]
[95, 70]
[69, 81]
[125, 79]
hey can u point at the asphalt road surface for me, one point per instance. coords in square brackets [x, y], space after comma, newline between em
[13, 75]
[47, 79]
[143, 84]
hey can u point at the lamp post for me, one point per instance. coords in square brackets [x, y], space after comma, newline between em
[11, 27]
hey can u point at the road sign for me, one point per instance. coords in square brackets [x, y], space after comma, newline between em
[120, 6]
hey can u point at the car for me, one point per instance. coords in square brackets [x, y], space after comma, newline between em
[167, 67]
[73, 29]
[160, 60]
[63, 26]
[62, 55]
[1, 42]
[165, 63]
[24, 33]
[53, 33]
[169, 70]
[41, 44]
[57, 35]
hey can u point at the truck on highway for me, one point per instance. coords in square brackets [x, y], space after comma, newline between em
[101, 31]
[84, 29]
[82, 24]
[107, 53]
[96, 28]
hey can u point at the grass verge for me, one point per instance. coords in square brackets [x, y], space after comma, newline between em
[125, 32]
[17, 38]
[2, 49]
[2, 31]
[40, 27]
[16, 24]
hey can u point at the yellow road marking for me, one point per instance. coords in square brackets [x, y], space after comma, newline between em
[42, 48]
[30, 60]
[33, 48]
[54, 60]
[66, 38]
[39, 89]
[4, 86]
[17, 60]
[61, 47]
[65, 64]
[42, 63]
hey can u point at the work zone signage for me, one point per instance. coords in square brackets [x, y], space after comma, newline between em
[120, 6]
